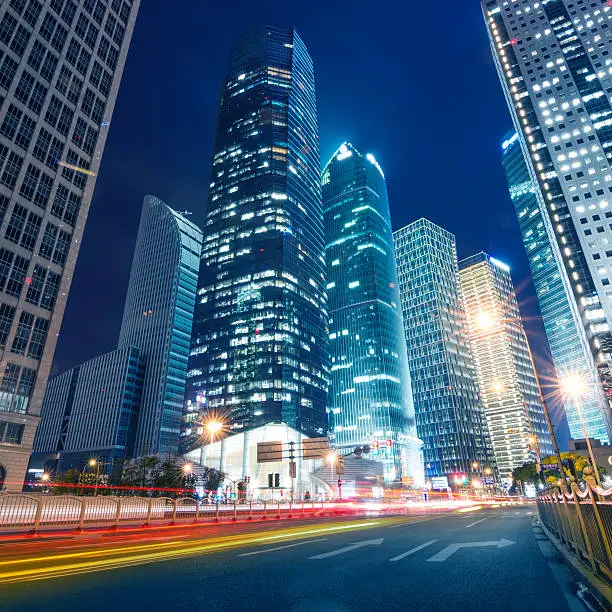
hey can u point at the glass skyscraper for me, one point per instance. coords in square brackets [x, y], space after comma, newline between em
[259, 346]
[158, 317]
[508, 388]
[566, 333]
[553, 60]
[370, 397]
[90, 412]
[61, 63]
[449, 413]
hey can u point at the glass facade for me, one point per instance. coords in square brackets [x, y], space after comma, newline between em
[449, 413]
[554, 67]
[508, 388]
[61, 63]
[567, 336]
[370, 397]
[259, 346]
[158, 318]
[89, 412]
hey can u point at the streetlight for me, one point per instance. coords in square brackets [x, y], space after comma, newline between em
[187, 468]
[96, 464]
[475, 465]
[575, 386]
[485, 322]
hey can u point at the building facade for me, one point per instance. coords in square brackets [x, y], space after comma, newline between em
[370, 396]
[90, 412]
[554, 65]
[259, 346]
[565, 330]
[61, 63]
[508, 388]
[449, 413]
[158, 317]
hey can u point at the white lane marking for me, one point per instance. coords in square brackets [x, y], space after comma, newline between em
[267, 550]
[414, 550]
[346, 549]
[476, 522]
[433, 518]
[450, 550]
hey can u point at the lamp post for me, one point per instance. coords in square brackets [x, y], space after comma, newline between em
[575, 386]
[486, 322]
[332, 459]
[95, 463]
[212, 426]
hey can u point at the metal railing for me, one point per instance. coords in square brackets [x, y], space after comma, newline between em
[582, 520]
[35, 513]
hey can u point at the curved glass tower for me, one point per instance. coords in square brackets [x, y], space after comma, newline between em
[157, 318]
[259, 344]
[370, 396]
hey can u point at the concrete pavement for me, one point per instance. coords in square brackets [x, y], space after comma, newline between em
[484, 560]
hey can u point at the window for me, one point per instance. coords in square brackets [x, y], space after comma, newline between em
[7, 71]
[11, 433]
[50, 291]
[7, 314]
[25, 132]
[15, 226]
[65, 121]
[30, 231]
[36, 286]
[32, 12]
[61, 248]
[20, 40]
[43, 193]
[11, 170]
[38, 98]
[30, 180]
[38, 339]
[17, 276]
[24, 87]
[37, 55]
[22, 335]
[59, 38]
[49, 65]
[7, 27]
[53, 111]
[48, 241]
[11, 121]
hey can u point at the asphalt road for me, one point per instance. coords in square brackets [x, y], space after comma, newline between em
[488, 560]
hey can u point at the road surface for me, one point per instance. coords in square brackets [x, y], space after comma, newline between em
[486, 560]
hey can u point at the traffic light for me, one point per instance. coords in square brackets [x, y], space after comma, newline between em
[270, 481]
[277, 480]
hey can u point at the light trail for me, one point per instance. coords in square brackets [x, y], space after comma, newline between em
[87, 561]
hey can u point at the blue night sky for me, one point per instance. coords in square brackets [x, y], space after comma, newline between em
[414, 86]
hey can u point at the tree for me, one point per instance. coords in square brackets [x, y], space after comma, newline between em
[68, 477]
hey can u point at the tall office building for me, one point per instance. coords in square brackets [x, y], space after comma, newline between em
[508, 388]
[554, 65]
[158, 317]
[370, 396]
[129, 402]
[259, 346]
[565, 330]
[90, 412]
[449, 413]
[61, 62]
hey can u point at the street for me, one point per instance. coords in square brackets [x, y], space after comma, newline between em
[483, 560]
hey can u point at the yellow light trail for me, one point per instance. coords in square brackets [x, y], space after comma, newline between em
[81, 562]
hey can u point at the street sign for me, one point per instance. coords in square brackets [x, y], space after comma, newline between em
[439, 483]
[340, 465]
[315, 448]
[269, 452]
[489, 481]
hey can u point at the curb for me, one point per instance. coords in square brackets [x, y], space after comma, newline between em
[601, 589]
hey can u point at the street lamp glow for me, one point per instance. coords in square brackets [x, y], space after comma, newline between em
[92, 462]
[497, 386]
[214, 427]
[187, 468]
[475, 465]
[45, 477]
[573, 385]
[484, 320]
[488, 471]
[332, 458]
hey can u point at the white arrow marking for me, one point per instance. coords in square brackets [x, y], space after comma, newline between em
[414, 550]
[450, 550]
[267, 550]
[476, 522]
[346, 549]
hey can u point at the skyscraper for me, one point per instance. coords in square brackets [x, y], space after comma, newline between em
[158, 317]
[553, 64]
[508, 388]
[259, 346]
[566, 333]
[90, 411]
[449, 413]
[61, 63]
[370, 397]
[129, 402]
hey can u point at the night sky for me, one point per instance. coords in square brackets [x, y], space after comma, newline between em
[414, 86]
